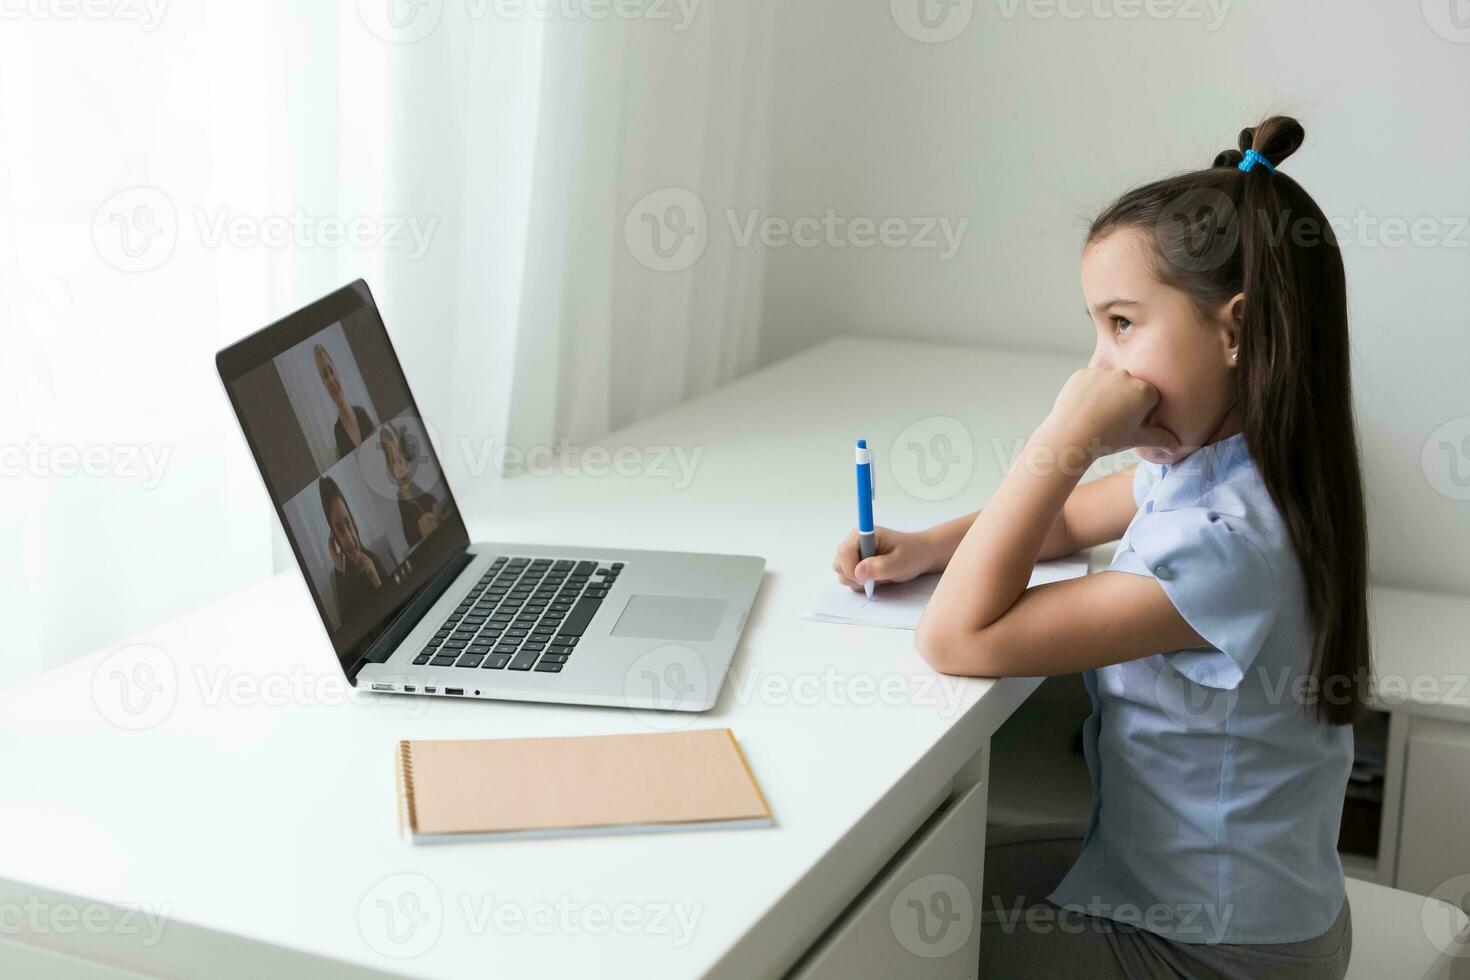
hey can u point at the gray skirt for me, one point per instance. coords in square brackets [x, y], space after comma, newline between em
[1023, 865]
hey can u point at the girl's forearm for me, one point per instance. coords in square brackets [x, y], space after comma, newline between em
[944, 540]
[991, 565]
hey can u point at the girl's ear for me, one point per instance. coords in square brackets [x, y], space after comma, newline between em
[1232, 316]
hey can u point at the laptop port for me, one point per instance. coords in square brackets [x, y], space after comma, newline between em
[409, 689]
[382, 687]
[431, 690]
[454, 690]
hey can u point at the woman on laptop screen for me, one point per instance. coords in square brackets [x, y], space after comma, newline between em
[354, 424]
[357, 573]
[417, 508]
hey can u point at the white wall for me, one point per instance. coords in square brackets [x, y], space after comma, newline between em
[1027, 124]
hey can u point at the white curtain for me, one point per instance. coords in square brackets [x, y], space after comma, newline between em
[177, 176]
[645, 120]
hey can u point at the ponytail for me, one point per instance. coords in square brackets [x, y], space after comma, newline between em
[1241, 227]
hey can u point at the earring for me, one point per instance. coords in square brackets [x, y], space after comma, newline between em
[1234, 357]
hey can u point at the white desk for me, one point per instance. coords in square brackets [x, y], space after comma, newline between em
[260, 819]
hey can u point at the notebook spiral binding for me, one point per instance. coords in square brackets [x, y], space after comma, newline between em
[406, 815]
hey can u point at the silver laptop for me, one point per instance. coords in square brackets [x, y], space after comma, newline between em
[410, 604]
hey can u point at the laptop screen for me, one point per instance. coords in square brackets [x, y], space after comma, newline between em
[347, 460]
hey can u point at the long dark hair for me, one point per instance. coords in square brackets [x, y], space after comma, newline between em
[1220, 232]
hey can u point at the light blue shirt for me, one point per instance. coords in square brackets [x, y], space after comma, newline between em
[1216, 796]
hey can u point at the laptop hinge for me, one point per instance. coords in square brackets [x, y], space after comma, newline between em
[408, 617]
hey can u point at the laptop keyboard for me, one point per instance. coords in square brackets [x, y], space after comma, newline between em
[523, 614]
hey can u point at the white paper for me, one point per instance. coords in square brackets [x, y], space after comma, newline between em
[899, 605]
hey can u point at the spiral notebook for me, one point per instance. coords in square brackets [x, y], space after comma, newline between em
[509, 788]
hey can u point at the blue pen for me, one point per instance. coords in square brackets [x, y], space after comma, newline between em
[867, 540]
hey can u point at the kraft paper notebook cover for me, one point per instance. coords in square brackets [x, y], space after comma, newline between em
[497, 789]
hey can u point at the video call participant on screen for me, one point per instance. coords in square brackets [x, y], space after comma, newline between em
[356, 572]
[354, 424]
[416, 508]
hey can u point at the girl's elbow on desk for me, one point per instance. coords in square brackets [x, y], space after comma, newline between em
[964, 652]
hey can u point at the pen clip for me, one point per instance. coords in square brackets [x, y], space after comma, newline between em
[865, 458]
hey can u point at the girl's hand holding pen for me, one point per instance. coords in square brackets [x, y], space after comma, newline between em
[901, 556]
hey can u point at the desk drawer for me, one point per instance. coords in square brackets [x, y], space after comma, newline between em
[920, 916]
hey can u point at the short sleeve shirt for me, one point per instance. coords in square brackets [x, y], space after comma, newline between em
[1217, 795]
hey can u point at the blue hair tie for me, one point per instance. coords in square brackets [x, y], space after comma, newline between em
[1251, 159]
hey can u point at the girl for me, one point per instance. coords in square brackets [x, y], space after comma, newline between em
[1226, 648]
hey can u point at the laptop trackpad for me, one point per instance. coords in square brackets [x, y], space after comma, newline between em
[670, 617]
